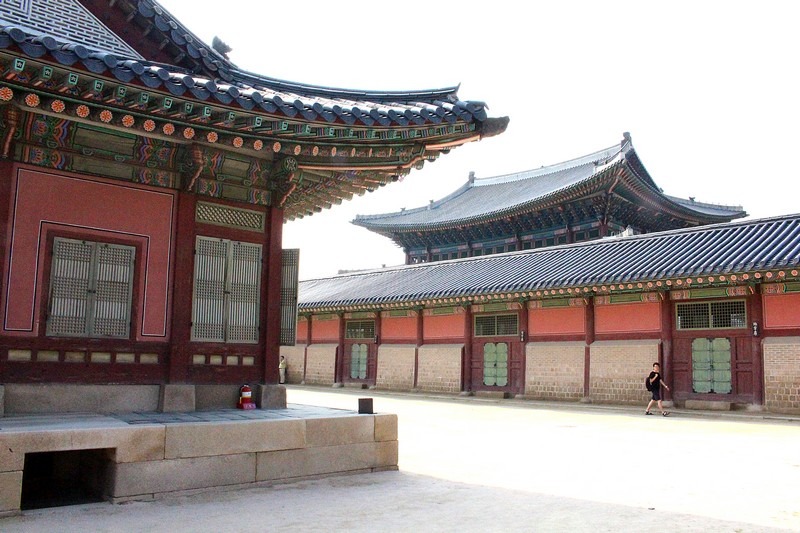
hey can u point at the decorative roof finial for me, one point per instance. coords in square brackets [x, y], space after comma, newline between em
[221, 47]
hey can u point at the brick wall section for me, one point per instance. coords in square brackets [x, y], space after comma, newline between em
[618, 369]
[320, 364]
[396, 366]
[295, 361]
[440, 368]
[554, 370]
[782, 374]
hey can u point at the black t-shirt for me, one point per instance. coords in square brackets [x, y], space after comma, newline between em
[656, 383]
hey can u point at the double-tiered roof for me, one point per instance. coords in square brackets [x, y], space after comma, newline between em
[607, 187]
[130, 66]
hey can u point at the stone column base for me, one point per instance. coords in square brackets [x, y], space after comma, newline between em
[176, 398]
[270, 396]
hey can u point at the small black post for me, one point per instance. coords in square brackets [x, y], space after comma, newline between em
[365, 406]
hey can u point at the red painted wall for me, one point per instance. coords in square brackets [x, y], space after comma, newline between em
[50, 201]
[399, 328]
[325, 331]
[627, 318]
[781, 311]
[555, 321]
[444, 327]
[302, 331]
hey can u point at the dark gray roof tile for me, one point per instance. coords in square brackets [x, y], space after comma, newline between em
[734, 247]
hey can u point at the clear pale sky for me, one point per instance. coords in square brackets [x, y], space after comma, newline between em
[708, 90]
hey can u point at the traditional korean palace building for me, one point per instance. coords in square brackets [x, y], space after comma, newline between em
[599, 194]
[575, 313]
[144, 183]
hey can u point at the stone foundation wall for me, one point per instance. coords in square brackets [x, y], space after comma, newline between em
[618, 369]
[554, 370]
[439, 368]
[154, 460]
[782, 374]
[321, 364]
[295, 362]
[396, 366]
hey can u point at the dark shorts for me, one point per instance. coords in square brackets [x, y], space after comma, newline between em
[656, 394]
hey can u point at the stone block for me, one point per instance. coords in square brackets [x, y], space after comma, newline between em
[69, 398]
[156, 477]
[385, 427]
[125, 443]
[209, 397]
[340, 430]
[208, 439]
[142, 443]
[708, 405]
[176, 398]
[270, 396]
[10, 491]
[326, 460]
[386, 455]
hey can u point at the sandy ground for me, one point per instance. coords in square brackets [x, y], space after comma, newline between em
[477, 465]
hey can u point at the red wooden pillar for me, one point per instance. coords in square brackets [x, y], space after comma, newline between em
[519, 387]
[338, 375]
[6, 178]
[466, 360]
[182, 285]
[420, 340]
[588, 326]
[757, 323]
[309, 337]
[666, 343]
[372, 374]
[271, 280]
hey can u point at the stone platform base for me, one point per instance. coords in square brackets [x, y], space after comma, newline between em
[708, 405]
[142, 456]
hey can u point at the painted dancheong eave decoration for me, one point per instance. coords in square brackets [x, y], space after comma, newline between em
[130, 71]
[735, 255]
[588, 197]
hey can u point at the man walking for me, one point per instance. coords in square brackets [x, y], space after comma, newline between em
[655, 387]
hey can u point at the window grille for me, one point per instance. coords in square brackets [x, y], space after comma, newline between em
[91, 285]
[711, 315]
[290, 264]
[360, 329]
[227, 286]
[495, 325]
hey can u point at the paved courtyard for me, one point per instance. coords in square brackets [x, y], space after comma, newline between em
[469, 464]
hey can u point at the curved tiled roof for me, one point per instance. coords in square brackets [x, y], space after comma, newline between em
[730, 248]
[232, 86]
[502, 195]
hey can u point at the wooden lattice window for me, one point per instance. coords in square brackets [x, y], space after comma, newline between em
[91, 284]
[227, 287]
[712, 315]
[496, 325]
[360, 329]
[290, 265]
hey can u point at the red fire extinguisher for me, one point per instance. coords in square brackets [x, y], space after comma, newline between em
[246, 398]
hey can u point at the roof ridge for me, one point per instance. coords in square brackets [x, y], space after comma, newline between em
[609, 154]
[692, 201]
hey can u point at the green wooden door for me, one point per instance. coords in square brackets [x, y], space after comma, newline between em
[495, 364]
[358, 361]
[711, 365]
